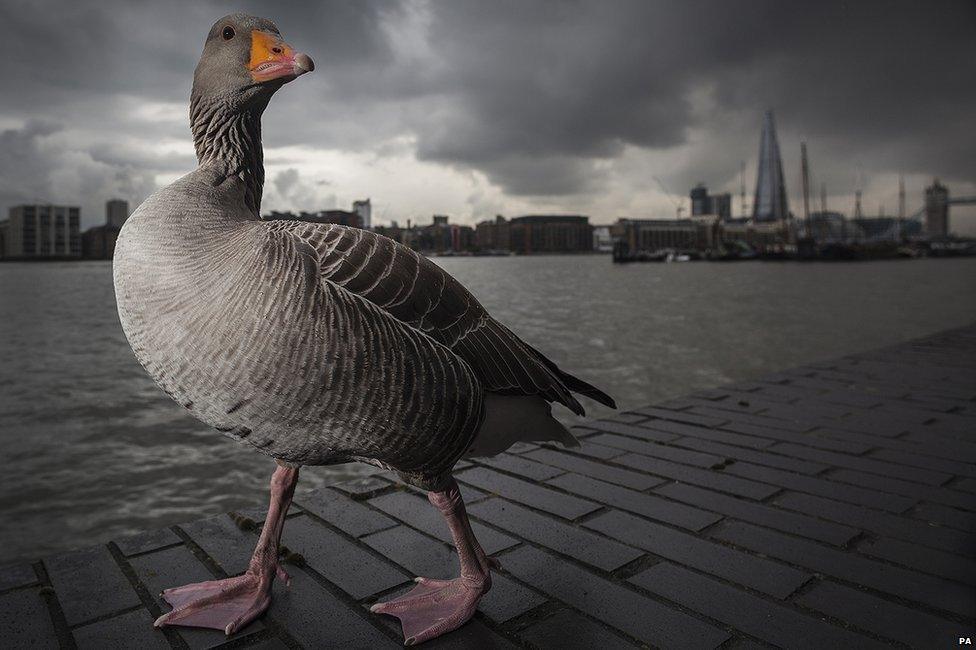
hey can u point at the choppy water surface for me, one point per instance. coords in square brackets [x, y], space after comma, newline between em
[93, 450]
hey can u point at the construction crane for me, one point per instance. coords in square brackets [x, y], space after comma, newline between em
[805, 177]
[742, 188]
[678, 208]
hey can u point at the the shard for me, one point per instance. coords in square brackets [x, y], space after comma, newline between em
[770, 200]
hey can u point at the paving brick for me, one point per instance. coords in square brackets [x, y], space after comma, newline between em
[851, 398]
[25, 622]
[848, 567]
[754, 420]
[784, 376]
[637, 502]
[909, 411]
[272, 643]
[821, 487]
[89, 584]
[936, 437]
[944, 516]
[362, 487]
[700, 416]
[739, 404]
[16, 575]
[316, 618]
[807, 409]
[474, 634]
[762, 575]
[753, 456]
[568, 630]
[743, 386]
[521, 466]
[718, 435]
[175, 567]
[147, 541]
[132, 630]
[934, 402]
[926, 560]
[707, 478]
[418, 554]
[627, 478]
[877, 424]
[677, 404]
[655, 450]
[881, 523]
[906, 443]
[861, 464]
[794, 390]
[965, 485]
[345, 514]
[778, 624]
[530, 494]
[919, 442]
[418, 513]
[588, 448]
[760, 396]
[627, 417]
[762, 514]
[508, 599]
[880, 616]
[642, 618]
[810, 439]
[223, 541]
[644, 432]
[342, 562]
[712, 393]
[904, 488]
[959, 427]
[928, 462]
[522, 447]
[569, 540]
[880, 389]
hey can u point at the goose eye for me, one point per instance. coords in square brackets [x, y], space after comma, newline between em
[228, 33]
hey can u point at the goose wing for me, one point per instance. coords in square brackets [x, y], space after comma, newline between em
[420, 294]
[392, 393]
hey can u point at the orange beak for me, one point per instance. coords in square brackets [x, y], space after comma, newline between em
[272, 58]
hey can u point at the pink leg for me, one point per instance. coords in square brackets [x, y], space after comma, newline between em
[435, 607]
[233, 603]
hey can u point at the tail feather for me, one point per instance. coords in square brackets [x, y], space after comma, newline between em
[574, 384]
[517, 418]
[577, 385]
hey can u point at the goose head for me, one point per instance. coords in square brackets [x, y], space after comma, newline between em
[244, 61]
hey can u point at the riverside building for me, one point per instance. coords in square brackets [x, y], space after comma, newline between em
[42, 231]
[551, 234]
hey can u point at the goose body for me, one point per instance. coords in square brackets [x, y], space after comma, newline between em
[318, 343]
[315, 343]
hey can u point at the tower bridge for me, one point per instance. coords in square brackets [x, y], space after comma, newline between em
[933, 215]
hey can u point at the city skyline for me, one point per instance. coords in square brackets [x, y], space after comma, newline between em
[422, 107]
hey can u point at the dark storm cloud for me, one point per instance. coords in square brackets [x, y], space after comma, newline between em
[537, 96]
[582, 79]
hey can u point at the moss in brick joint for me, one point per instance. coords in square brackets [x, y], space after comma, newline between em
[289, 557]
[244, 523]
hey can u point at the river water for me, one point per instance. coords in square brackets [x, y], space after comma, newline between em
[92, 450]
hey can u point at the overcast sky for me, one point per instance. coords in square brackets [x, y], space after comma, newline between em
[473, 109]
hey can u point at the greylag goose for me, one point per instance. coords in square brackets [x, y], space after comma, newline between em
[317, 344]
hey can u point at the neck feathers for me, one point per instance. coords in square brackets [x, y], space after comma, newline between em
[229, 139]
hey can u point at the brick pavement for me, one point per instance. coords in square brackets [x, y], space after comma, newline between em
[827, 506]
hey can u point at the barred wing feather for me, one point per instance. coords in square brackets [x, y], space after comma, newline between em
[420, 294]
